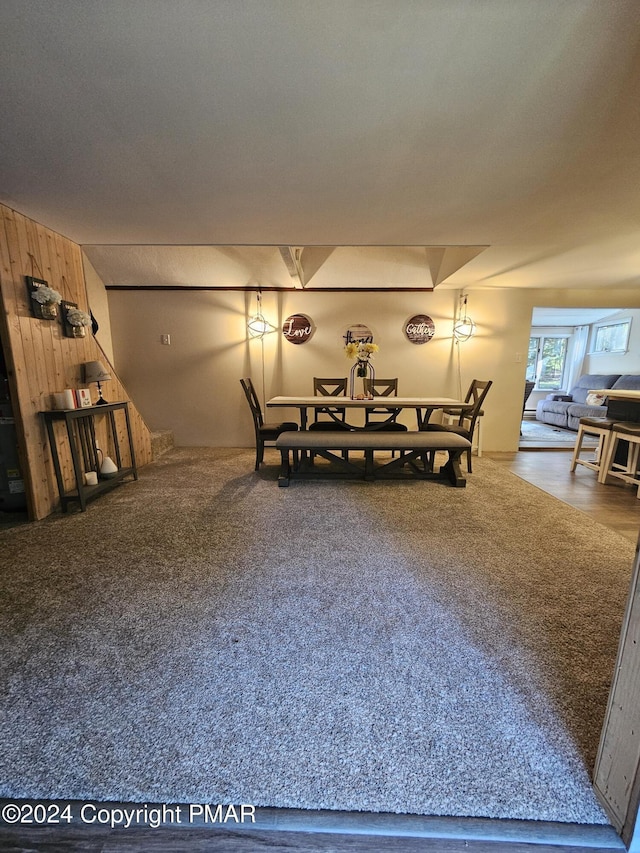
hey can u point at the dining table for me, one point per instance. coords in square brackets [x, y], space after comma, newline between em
[423, 407]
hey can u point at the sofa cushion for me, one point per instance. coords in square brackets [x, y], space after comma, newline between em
[558, 407]
[580, 410]
[628, 382]
[558, 419]
[555, 418]
[592, 382]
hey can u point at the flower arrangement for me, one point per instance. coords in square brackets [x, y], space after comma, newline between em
[76, 317]
[46, 295]
[75, 321]
[362, 352]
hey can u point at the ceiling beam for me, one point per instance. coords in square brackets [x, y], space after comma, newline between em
[292, 257]
[251, 288]
[312, 258]
[443, 261]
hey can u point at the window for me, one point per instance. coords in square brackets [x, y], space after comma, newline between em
[612, 337]
[546, 360]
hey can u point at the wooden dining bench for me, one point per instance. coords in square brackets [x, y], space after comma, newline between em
[416, 448]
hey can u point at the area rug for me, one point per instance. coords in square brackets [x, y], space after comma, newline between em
[204, 636]
[537, 433]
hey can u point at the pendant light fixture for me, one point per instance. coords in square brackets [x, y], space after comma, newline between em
[464, 327]
[257, 325]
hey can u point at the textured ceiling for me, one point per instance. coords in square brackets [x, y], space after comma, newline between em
[250, 125]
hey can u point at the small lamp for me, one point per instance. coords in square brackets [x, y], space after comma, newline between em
[464, 327]
[95, 371]
[257, 325]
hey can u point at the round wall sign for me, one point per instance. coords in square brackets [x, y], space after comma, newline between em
[419, 329]
[358, 332]
[297, 329]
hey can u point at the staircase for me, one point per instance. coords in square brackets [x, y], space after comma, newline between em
[161, 442]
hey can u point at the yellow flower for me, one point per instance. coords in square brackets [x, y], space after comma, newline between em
[360, 350]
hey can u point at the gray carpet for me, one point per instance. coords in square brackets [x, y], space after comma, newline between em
[204, 636]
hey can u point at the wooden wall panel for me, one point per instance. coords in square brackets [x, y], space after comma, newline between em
[617, 769]
[41, 360]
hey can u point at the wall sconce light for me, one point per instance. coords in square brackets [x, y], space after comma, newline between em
[95, 371]
[464, 327]
[257, 325]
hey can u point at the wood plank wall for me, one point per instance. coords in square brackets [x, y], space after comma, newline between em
[40, 359]
[617, 769]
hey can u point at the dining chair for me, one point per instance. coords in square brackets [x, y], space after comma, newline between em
[600, 428]
[382, 388]
[264, 431]
[329, 388]
[529, 385]
[452, 416]
[625, 469]
[338, 415]
[465, 420]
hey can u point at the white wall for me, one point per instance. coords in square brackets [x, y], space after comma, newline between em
[192, 386]
[627, 362]
[99, 305]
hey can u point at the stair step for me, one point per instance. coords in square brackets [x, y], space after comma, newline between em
[161, 441]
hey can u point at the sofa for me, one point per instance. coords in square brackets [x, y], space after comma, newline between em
[565, 409]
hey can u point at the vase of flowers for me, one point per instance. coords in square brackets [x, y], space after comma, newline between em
[363, 368]
[46, 301]
[77, 321]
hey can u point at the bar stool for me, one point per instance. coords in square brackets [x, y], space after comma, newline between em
[601, 428]
[628, 431]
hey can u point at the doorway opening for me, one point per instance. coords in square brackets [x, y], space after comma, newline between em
[564, 345]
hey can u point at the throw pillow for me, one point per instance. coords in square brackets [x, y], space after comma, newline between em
[595, 399]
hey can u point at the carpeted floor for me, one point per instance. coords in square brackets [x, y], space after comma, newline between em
[204, 636]
[12, 519]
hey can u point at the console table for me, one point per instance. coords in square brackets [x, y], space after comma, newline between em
[80, 425]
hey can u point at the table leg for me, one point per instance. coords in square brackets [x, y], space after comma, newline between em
[285, 469]
[423, 416]
[77, 469]
[56, 465]
[452, 469]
